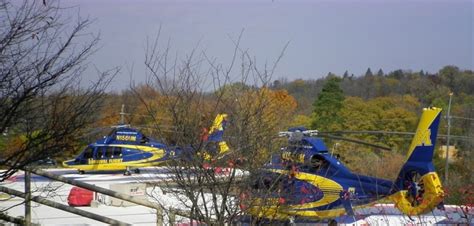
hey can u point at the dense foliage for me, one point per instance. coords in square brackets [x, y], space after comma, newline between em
[392, 102]
[327, 107]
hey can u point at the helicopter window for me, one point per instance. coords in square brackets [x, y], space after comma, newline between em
[100, 153]
[144, 140]
[318, 163]
[88, 153]
[94, 155]
[109, 152]
[117, 152]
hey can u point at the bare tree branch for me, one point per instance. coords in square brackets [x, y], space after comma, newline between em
[211, 197]
[44, 106]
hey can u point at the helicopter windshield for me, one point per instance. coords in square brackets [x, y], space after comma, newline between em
[144, 139]
[88, 153]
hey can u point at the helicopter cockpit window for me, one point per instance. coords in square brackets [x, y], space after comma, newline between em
[144, 139]
[88, 153]
[318, 163]
[109, 152]
[117, 152]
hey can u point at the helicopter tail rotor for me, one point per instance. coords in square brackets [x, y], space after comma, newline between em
[418, 188]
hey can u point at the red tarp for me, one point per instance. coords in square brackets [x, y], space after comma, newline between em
[80, 197]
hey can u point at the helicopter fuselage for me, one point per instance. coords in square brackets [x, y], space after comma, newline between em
[125, 148]
[305, 180]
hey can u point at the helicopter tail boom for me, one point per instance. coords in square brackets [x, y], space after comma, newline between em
[418, 188]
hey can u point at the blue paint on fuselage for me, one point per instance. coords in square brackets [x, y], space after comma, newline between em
[359, 189]
[126, 136]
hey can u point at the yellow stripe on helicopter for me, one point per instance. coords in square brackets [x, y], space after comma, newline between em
[331, 189]
[331, 193]
[118, 164]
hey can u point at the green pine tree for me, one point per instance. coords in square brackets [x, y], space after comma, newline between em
[327, 107]
[346, 75]
[369, 73]
[380, 73]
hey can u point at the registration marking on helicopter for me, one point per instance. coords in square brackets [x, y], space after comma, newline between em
[103, 161]
[126, 138]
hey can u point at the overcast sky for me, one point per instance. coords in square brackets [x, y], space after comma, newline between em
[324, 36]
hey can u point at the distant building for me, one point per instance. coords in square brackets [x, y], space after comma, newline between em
[453, 152]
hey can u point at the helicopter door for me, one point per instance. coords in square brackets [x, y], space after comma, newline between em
[117, 153]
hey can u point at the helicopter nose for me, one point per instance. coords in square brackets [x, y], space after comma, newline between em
[67, 163]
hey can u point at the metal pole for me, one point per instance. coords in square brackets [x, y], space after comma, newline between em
[122, 115]
[447, 140]
[334, 148]
[27, 198]
[63, 207]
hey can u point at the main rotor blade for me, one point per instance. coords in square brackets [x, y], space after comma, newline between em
[394, 133]
[355, 141]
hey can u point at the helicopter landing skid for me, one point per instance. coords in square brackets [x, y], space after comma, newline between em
[127, 172]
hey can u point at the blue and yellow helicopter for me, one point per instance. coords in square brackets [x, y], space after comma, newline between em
[305, 181]
[127, 148]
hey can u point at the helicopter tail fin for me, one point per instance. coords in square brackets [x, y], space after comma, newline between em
[418, 188]
[215, 135]
[216, 131]
[423, 143]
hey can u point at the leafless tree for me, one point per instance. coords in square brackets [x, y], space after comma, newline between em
[44, 106]
[193, 90]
